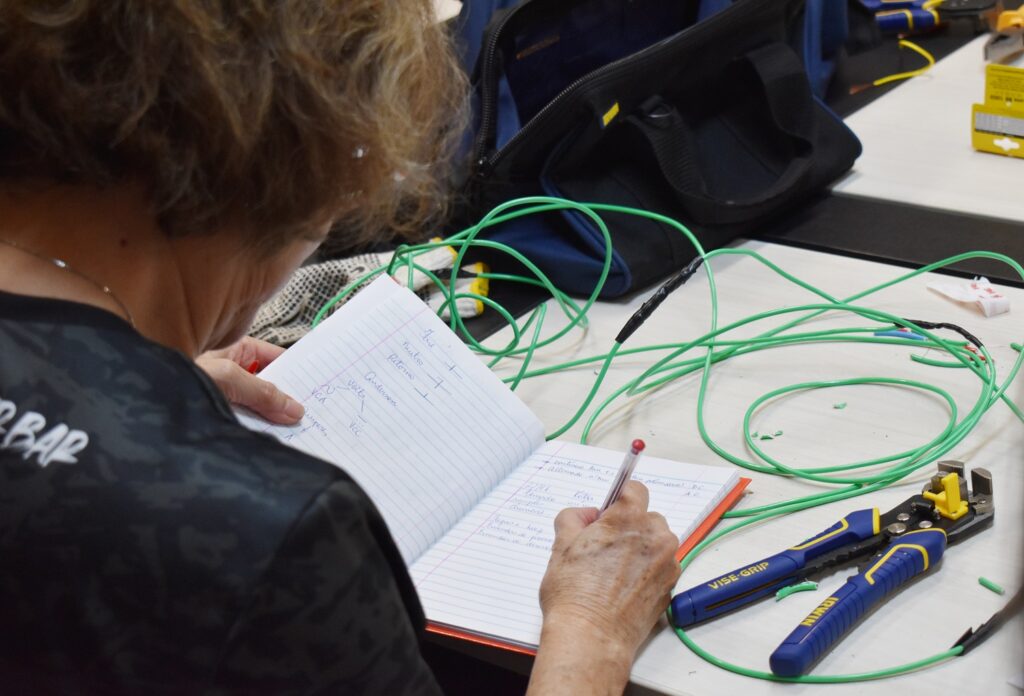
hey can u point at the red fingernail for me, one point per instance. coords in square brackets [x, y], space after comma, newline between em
[254, 367]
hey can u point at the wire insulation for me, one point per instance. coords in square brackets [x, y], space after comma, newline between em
[700, 354]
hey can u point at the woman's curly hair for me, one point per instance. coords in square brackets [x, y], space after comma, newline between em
[280, 115]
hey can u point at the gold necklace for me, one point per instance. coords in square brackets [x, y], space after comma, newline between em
[65, 266]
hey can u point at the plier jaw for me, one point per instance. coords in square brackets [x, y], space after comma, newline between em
[897, 546]
[945, 503]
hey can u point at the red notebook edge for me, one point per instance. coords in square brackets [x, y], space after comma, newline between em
[691, 541]
[731, 498]
[479, 640]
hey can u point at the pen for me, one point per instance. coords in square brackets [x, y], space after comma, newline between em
[625, 473]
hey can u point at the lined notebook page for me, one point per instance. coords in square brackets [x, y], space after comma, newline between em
[484, 575]
[394, 398]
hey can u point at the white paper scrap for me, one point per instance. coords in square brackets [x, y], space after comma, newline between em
[979, 292]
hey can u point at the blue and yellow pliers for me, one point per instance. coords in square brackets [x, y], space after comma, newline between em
[900, 545]
[907, 16]
[903, 16]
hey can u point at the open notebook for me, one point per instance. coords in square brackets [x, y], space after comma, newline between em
[456, 463]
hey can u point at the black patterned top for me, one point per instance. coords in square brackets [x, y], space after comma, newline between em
[151, 544]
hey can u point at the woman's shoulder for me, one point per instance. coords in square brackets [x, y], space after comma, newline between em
[127, 476]
[84, 369]
[103, 425]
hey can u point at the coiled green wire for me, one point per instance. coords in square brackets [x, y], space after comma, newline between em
[712, 348]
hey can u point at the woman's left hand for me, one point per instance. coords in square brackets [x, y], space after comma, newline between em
[229, 369]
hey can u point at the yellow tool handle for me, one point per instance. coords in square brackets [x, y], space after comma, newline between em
[1010, 19]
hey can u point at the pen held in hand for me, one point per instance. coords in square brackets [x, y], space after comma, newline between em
[625, 473]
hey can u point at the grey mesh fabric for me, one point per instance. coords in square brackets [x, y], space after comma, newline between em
[288, 315]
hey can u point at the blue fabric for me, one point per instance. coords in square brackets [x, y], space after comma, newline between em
[825, 31]
[469, 30]
[710, 7]
[826, 24]
[469, 26]
[566, 245]
[579, 272]
[538, 237]
[508, 115]
[825, 28]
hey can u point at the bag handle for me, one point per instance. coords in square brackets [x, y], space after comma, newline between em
[790, 107]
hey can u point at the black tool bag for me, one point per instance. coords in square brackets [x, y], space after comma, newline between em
[643, 103]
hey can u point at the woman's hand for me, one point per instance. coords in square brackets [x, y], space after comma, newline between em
[608, 580]
[229, 369]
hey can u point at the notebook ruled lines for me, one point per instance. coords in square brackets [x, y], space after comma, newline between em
[415, 418]
[454, 461]
[479, 531]
[484, 574]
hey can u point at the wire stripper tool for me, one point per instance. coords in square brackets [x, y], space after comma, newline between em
[899, 545]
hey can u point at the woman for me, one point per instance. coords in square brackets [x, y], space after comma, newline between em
[164, 167]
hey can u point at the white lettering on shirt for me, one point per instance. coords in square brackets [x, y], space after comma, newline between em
[58, 444]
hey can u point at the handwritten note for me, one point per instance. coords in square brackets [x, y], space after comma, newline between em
[483, 576]
[396, 400]
[454, 461]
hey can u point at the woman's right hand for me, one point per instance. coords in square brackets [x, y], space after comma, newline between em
[608, 580]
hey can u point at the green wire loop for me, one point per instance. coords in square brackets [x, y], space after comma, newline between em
[673, 361]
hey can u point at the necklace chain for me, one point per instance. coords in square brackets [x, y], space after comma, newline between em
[65, 266]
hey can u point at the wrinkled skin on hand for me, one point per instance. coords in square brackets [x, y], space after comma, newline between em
[614, 571]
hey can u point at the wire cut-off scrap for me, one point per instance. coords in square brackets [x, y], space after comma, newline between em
[989, 585]
[791, 589]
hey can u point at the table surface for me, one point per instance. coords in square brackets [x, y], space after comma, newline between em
[916, 151]
[919, 192]
[928, 616]
[917, 145]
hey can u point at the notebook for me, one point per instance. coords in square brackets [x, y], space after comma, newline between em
[457, 464]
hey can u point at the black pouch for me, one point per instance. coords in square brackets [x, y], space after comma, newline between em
[637, 103]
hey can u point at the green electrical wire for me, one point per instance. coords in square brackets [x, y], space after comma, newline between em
[702, 353]
[918, 459]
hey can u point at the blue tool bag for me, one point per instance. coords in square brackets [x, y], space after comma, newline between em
[704, 114]
[817, 39]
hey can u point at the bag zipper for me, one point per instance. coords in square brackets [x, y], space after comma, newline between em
[488, 89]
[485, 163]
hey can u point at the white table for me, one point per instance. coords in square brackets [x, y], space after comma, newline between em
[917, 145]
[925, 618]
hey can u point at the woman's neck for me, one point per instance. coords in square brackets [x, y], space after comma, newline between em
[107, 238]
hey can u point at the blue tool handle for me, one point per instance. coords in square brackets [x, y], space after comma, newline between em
[751, 582]
[904, 20]
[907, 556]
[735, 589]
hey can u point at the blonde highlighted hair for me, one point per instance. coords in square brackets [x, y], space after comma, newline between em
[279, 114]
